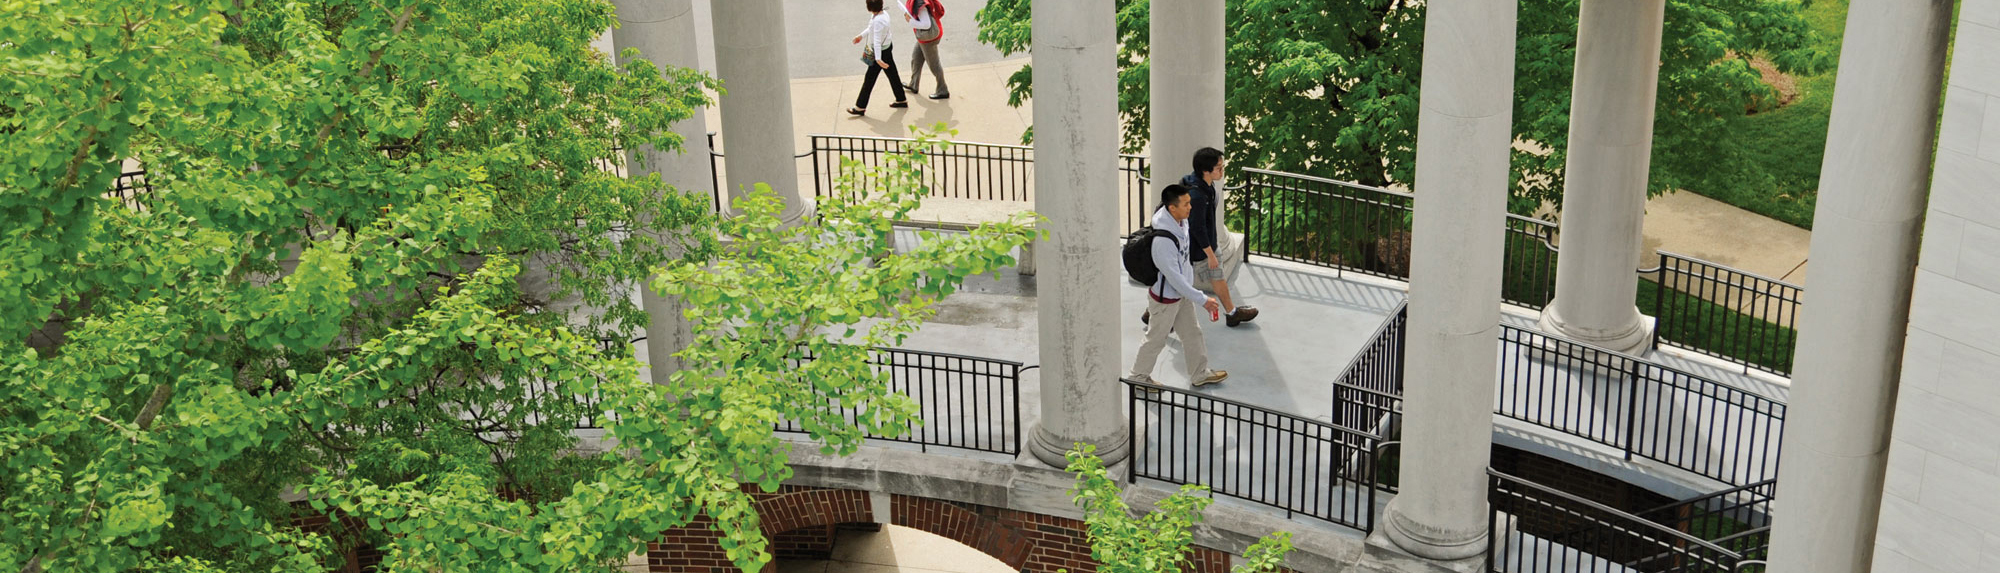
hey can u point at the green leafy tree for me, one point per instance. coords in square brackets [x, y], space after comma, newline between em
[1330, 87]
[1154, 542]
[317, 294]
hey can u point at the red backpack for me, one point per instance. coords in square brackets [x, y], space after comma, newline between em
[936, 7]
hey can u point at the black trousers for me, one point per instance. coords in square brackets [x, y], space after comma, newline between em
[888, 56]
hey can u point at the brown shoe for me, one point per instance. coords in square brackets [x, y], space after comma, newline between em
[1147, 383]
[1213, 377]
[1243, 314]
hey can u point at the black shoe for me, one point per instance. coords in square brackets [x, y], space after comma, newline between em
[1243, 314]
[900, 104]
[940, 95]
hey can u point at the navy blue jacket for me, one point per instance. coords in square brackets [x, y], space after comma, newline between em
[1201, 220]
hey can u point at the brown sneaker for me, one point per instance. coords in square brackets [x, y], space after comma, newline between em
[1147, 383]
[1213, 377]
[1243, 314]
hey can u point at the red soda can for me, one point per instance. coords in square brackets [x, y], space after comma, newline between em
[1215, 314]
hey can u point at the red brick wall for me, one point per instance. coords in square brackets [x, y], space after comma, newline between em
[1205, 560]
[689, 549]
[794, 507]
[1577, 481]
[800, 522]
[815, 542]
[1040, 542]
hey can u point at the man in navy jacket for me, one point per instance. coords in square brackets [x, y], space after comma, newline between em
[1202, 234]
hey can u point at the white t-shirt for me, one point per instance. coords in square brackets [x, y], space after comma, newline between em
[877, 32]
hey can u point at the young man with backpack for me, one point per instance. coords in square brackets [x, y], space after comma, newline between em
[1158, 256]
[926, 18]
[1202, 232]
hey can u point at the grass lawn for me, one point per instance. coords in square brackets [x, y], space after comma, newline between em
[1788, 144]
[1749, 340]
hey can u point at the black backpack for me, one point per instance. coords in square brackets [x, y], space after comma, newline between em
[1138, 254]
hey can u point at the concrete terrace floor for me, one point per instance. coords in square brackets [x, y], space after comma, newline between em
[1311, 327]
[1315, 320]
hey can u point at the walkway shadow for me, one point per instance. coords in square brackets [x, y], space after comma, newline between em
[1318, 286]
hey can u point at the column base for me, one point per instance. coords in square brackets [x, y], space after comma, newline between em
[1634, 340]
[1050, 449]
[1455, 550]
[808, 206]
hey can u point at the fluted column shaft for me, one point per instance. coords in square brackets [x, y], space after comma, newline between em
[757, 128]
[1076, 167]
[664, 33]
[1874, 185]
[1463, 136]
[1604, 197]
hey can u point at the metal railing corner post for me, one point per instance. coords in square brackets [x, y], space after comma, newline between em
[1632, 382]
[1132, 454]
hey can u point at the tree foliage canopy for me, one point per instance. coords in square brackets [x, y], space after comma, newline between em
[1330, 87]
[1155, 541]
[329, 289]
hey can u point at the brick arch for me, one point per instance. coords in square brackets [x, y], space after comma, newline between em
[1027, 542]
[989, 531]
[795, 507]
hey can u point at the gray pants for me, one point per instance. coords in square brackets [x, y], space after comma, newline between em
[1183, 318]
[927, 54]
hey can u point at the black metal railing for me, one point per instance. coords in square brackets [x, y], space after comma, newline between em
[1738, 518]
[1644, 409]
[1529, 276]
[963, 402]
[1727, 313]
[964, 170]
[1299, 465]
[1368, 394]
[132, 190]
[1539, 529]
[1323, 222]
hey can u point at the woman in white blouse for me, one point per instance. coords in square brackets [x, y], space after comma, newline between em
[879, 52]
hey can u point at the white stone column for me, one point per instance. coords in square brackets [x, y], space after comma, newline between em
[1604, 199]
[1464, 129]
[757, 106]
[1187, 100]
[664, 33]
[1874, 186]
[1076, 152]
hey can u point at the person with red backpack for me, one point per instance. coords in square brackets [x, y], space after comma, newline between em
[926, 17]
[1158, 256]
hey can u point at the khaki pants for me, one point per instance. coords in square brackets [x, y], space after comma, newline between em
[1183, 319]
[927, 54]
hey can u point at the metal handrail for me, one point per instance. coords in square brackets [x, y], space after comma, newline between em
[1715, 495]
[1260, 409]
[1705, 262]
[1640, 522]
[1543, 239]
[1340, 489]
[1008, 375]
[1373, 339]
[1617, 355]
[1336, 182]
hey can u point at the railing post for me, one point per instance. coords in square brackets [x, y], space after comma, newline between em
[714, 179]
[1132, 434]
[1250, 198]
[1015, 422]
[1632, 381]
